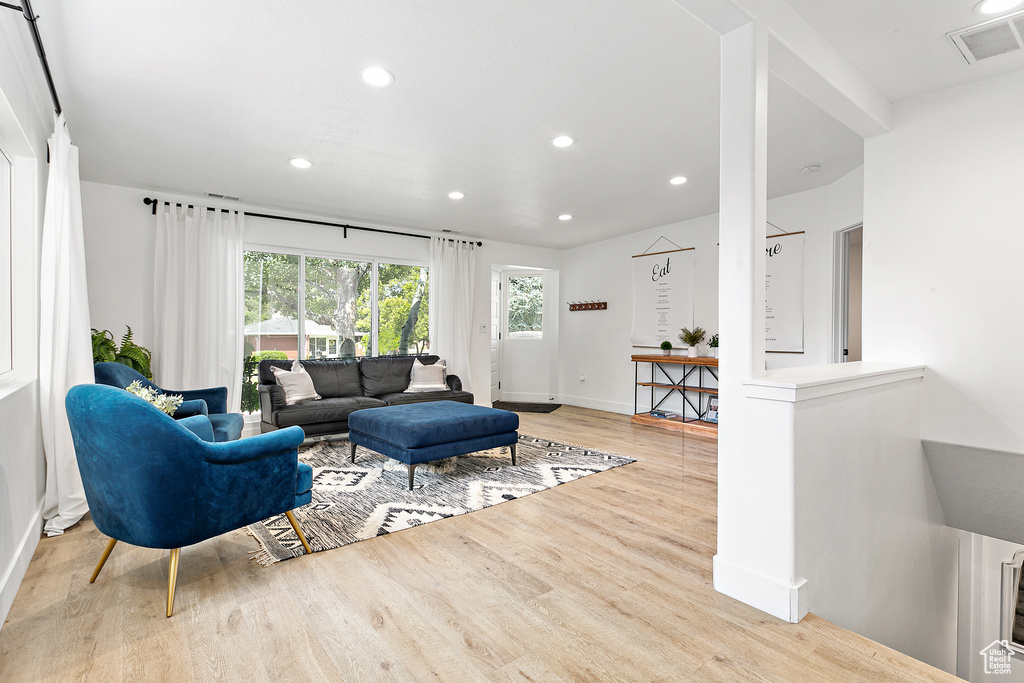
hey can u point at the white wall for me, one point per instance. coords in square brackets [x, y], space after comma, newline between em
[25, 123]
[871, 540]
[943, 242]
[597, 343]
[119, 244]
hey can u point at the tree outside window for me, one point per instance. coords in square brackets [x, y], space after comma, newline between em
[525, 306]
[337, 311]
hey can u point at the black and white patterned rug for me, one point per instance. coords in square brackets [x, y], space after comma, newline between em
[354, 502]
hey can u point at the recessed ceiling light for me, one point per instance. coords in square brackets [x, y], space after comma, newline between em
[996, 6]
[565, 217]
[813, 168]
[562, 141]
[377, 77]
[456, 195]
[678, 180]
[301, 163]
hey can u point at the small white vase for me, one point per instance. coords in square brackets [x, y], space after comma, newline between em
[713, 352]
[666, 352]
[692, 352]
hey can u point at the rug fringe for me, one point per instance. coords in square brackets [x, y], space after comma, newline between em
[262, 556]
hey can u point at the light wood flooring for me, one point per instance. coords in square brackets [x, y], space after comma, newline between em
[607, 578]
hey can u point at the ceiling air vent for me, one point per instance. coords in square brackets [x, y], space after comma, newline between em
[990, 39]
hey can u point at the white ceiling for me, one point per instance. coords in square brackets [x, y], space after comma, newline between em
[194, 97]
[901, 45]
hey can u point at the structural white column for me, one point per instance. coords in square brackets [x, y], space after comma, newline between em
[755, 562]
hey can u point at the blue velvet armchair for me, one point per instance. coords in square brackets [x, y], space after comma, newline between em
[157, 482]
[226, 426]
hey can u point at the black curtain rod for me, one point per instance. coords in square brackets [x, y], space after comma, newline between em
[30, 17]
[152, 201]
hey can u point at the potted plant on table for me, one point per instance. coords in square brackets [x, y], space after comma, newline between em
[713, 346]
[666, 347]
[692, 338]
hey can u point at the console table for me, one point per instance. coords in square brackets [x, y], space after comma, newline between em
[694, 387]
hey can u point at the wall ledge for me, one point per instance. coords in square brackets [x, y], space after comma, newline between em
[791, 385]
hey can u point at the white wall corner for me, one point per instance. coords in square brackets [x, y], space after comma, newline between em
[14, 572]
[784, 600]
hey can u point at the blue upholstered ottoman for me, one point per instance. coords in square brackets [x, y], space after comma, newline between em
[421, 432]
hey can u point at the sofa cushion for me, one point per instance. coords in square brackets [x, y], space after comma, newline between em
[427, 377]
[388, 374]
[401, 398]
[324, 410]
[332, 378]
[297, 384]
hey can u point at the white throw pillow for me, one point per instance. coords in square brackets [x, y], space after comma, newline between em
[297, 384]
[428, 377]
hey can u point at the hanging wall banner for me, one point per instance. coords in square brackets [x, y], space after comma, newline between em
[784, 293]
[662, 296]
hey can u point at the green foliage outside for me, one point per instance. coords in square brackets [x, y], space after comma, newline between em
[250, 366]
[338, 295]
[402, 293]
[106, 350]
[525, 303]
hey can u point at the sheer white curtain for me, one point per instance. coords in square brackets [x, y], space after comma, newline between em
[197, 308]
[452, 276]
[65, 347]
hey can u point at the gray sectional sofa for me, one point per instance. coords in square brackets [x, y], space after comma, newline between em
[345, 387]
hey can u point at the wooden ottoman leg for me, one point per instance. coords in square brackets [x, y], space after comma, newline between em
[513, 449]
[353, 452]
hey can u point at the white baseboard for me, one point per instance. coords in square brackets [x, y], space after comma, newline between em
[598, 404]
[14, 573]
[779, 599]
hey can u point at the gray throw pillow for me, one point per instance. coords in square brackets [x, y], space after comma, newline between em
[297, 384]
[427, 377]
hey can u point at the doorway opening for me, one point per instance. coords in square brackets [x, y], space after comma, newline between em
[849, 259]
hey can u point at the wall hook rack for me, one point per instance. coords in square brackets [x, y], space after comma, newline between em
[587, 305]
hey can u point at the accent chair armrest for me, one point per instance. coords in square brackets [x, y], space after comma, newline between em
[255, 447]
[196, 406]
[454, 383]
[216, 398]
[199, 425]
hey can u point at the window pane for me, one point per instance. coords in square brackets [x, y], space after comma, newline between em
[336, 327]
[402, 293]
[271, 315]
[6, 317]
[525, 306]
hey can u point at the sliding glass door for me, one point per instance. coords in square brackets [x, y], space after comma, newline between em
[334, 327]
[300, 306]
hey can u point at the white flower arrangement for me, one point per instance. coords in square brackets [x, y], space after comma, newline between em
[165, 402]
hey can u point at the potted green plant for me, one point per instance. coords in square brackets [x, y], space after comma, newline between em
[105, 349]
[713, 346]
[666, 347]
[692, 338]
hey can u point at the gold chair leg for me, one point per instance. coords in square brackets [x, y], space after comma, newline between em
[295, 525]
[172, 578]
[103, 559]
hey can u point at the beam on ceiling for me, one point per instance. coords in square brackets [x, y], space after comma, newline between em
[801, 57]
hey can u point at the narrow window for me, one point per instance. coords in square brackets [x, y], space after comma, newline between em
[525, 306]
